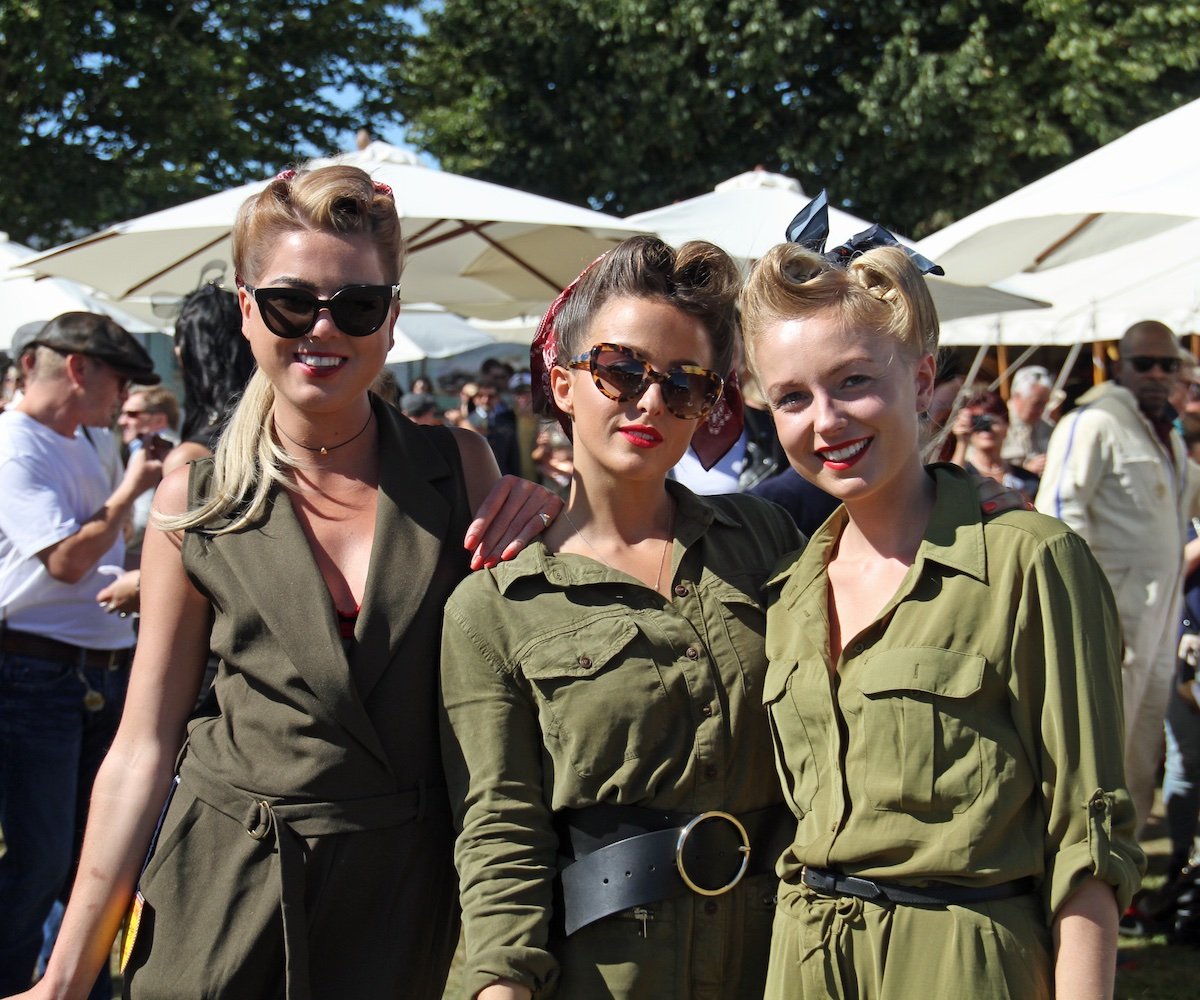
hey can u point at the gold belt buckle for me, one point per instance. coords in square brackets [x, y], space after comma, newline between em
[743, 848]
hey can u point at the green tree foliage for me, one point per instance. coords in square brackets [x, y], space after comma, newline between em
[910, 111]
[114, 108]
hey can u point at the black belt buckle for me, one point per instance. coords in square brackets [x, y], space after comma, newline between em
[704, 858]
[832, 884]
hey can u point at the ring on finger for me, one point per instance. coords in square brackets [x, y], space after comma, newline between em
[545, 518]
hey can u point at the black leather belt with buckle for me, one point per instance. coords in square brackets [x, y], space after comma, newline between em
[627, 856]
[830, 883]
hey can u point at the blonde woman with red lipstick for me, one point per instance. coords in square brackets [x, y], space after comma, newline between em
[604, 739]
[944, 685]
[304, 850]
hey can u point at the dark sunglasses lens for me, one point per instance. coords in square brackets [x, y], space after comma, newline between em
[288, 312]
[359, 312]
[1142, 365]
[621, 377]
[690, 394]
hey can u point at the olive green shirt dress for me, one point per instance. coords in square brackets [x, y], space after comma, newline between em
[565, 684]
[971, 735]
[306, 852]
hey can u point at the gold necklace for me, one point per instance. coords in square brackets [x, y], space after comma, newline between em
[662, 559]
[322, 448]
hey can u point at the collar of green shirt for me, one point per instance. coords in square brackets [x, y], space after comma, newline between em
[954, 536]
[693, 517]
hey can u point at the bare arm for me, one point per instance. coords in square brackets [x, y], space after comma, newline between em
[133, 780]
[507, 510]
[504, 990]
[1085, 943]
[73, 558]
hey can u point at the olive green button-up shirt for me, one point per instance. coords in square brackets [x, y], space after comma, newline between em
[566, 683]
[972, 733]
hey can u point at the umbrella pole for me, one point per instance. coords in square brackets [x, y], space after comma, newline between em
[1002, 370]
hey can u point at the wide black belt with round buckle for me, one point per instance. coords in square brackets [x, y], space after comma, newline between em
[627, 856]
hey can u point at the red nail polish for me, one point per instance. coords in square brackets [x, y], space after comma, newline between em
[989, 506]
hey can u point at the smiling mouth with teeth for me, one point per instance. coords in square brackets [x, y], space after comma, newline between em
[323, 361]
[845, 453]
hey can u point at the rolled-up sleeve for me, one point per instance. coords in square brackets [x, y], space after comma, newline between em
[1067, 694]
[506, 848]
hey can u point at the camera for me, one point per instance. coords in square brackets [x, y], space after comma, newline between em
[982, 422]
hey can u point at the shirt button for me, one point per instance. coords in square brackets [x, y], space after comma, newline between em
[585, 661]
[710, 772]
[692, 653]
[681, 591]
[710, 907]
[706, 711]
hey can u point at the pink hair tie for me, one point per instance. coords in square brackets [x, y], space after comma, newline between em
[381, 188]
[286, 175]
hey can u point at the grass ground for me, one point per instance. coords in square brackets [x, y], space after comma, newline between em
[1149, 968]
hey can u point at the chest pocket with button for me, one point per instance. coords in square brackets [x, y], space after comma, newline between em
[796, 754]
[600, 697]
[744, 620]
[920, 729]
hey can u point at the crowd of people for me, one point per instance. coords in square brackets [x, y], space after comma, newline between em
[531, 667]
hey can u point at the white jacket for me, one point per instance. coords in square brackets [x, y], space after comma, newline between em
[1110, 478]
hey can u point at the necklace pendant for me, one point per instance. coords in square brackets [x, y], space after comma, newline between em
[324, 451]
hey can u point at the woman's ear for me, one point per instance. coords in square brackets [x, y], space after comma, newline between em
[561, 385]
[924, 375]
[246, 305]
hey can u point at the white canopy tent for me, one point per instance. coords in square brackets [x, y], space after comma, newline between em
[1138, 186]
[428, 332]
[747, 215]
[475, 248]
[1100, 297]
[25, 300]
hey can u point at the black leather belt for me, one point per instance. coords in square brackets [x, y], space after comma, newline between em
[627, 856]
[27, 644]
[937, 894]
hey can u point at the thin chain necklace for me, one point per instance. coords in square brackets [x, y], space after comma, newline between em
[661, 560]
[322, 448]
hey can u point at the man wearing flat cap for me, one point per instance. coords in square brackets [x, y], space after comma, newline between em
[64, 662]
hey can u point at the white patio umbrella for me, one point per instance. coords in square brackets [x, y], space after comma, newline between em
[747, 215]
[475, 248]
[25, 300]
[1102, 296]
[1144, 183]
[428, 332]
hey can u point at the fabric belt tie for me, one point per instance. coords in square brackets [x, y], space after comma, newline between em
[284, 824]
[627, 856]
[831, 883]
[28, 644]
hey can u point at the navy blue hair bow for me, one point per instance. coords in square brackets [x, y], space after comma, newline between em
[810, 228]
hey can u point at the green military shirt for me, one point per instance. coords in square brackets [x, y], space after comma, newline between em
[565, 684]
[972, 733]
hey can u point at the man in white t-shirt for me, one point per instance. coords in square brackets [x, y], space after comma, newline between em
[64, 662]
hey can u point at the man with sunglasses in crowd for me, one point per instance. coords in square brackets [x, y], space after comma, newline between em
[1116, 471]
[64, 662]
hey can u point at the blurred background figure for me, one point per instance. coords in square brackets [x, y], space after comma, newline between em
[421, 408]
[1028, 429]
[152, 412]
[387, 388]
[979, 430]
[215, 362]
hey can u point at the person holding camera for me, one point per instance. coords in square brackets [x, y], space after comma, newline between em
[979, 432]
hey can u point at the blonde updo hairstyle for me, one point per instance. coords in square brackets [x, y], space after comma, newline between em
[880, 290]
[249, 459]
[699, 279]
